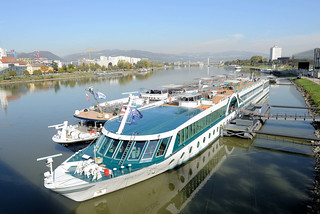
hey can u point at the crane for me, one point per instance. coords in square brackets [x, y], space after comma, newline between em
[36, 54]
[92, 50]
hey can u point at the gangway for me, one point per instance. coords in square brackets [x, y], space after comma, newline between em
[246, 125]
[284, 116]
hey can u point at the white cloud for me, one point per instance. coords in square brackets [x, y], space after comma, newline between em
[237, 36]
[289, 44]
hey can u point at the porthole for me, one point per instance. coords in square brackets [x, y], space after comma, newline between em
[182, 179]
[204, 139]
[204, 159]
[214, 131]
[198, 164]
[171, 186]
[198, 144]
[171, 161]
[190, 171]
[209, 135]
[190, 150]
[182, 155]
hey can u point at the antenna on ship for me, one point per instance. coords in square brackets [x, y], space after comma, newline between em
[49, 162]
[95, 99]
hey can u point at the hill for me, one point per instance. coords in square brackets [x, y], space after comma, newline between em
[304, 55]
[45, 54]
[160, 57]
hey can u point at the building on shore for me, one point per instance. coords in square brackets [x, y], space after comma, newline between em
[3, 53]
[12, 64]
[275, 53]
[111, 61]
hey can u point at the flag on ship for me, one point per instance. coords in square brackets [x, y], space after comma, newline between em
[87, 97]
[123, 110]
[99, 95]
[135, 113]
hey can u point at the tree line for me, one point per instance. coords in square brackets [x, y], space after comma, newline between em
[253, 61]
[70, 68]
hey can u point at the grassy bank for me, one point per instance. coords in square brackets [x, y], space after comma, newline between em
[33, 78]
[313, 89]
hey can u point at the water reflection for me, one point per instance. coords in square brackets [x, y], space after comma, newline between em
[168, 192]
[14, 91]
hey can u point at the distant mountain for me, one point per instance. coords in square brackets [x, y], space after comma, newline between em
[42, 54]
[224, 56]
[154, 57]
[304, 55]
[160, 57]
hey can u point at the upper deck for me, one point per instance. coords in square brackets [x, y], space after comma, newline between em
[155, 120]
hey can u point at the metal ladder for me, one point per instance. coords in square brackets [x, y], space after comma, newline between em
[124, 155]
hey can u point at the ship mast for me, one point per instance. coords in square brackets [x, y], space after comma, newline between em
[95, 99]
[125, 116]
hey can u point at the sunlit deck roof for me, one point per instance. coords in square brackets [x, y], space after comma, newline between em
[155, 120]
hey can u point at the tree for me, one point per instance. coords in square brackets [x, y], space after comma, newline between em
[37, 72]
[55, 66]
[64, 68]
[44, 68]
[255, 60]
[121, 64]
[70, 68]
[26, 73]
[12, 73]
[143, 64]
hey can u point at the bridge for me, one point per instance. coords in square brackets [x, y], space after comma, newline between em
[284, 116]
[247, 125]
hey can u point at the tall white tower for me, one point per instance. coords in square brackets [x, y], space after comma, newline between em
[3, 52]
[275, 52]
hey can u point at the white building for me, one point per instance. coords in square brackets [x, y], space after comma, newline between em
[275, 53]
[3, 53]
[111, 61]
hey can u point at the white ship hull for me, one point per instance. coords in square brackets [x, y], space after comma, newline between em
[80, 190]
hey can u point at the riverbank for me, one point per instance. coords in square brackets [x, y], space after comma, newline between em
[310, 92]
[62, 76]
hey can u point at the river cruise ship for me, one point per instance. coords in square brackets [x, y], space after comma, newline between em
[144, 143]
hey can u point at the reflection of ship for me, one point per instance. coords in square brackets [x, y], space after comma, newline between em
[6, 96]
[169, 192]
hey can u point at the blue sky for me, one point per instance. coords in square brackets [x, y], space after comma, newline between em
[167, 26]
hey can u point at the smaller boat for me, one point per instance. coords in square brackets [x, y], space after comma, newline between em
[155, 94]
[236, 68]
[76, 133]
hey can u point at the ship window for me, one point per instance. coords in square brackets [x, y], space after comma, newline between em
[162, 147]
[103, 143]
[136, 150]
[121, 149]
[190, 150]
[112, 148]
[204, 139]
[150, 149]
[198, 144]
[100, 140]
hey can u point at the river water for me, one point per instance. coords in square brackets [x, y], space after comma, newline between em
[263, 175]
